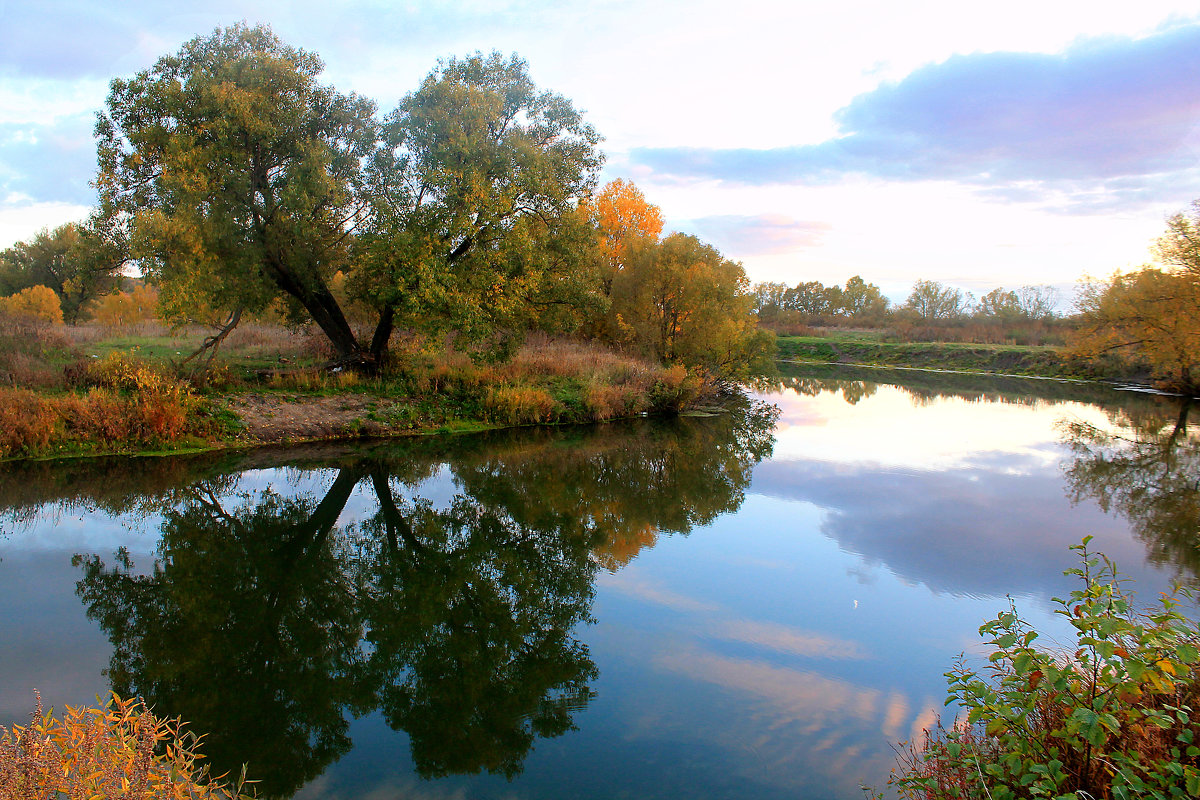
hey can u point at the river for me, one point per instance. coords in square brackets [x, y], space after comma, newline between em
[752, 604]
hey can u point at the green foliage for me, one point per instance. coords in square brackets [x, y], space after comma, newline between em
[858, 300]
[1027, 304]
[77, 261]
[930, 301]
[474, 196]
[242, 183]
[245, 182]
[1114, 718]
[238, 174]
[681, 302]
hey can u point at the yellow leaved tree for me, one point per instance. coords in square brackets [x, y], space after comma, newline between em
[624, 220]
[1150, 317]
[36, 302]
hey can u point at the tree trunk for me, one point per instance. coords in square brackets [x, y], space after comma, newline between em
[383, 335]
[323, 307]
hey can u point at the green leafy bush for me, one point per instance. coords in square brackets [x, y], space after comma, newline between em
[1116, 717]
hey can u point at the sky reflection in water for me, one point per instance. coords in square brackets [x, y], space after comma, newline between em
[776, 650]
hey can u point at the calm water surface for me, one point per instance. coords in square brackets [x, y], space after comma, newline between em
[749, 605]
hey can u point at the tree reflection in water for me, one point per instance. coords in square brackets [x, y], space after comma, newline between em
[267, 620]
[1148, 471]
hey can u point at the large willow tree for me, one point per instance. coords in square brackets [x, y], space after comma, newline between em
[242, 179]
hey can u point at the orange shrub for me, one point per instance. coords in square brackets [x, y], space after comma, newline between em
[122, 309]
[27, 422]
[122, 371]
[674, 389]
[130, 404]
[36, 302]
[609, 402]
[119, 751]
[100, 414]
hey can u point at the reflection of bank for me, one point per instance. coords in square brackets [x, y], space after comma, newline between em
[269, 617]
[1148, 470]
[937, 483]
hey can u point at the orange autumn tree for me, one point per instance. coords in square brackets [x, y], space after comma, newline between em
[34, 303]
[623, 218]
[676, 300]
[1150, 317]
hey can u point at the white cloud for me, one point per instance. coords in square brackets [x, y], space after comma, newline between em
[22, 220]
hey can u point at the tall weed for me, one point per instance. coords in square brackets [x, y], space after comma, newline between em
[121, 750]
[28, 422]
[520, 405]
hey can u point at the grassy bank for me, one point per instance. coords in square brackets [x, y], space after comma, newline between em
[862, 349]
[81, 391]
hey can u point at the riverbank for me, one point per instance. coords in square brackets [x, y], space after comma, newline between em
[1043, 362]
[129, 402]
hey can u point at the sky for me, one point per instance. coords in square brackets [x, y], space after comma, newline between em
[975, 144]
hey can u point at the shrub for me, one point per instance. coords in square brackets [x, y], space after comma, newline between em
[520, 405]
[673, 390]
[129, 403]
[1117, 717]
[100, 414]
[124, 372]
[604, 402]
[119, 751]
[27, 422]
[35, 302]
[159, 405]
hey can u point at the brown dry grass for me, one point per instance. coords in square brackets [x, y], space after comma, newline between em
[127, 403]
[25, 344]
[542, 355]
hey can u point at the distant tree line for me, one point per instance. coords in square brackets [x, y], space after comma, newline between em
[857, 300]
[932, 311]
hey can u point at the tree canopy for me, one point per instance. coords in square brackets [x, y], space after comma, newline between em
[74, 260]
[240, 182]
[857, 299]
[242, 179]
[1152, 315]
[681, 301]
[473, 188]
[931, 301]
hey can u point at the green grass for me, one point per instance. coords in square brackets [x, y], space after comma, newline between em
[153, 348]
[1005, 359]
